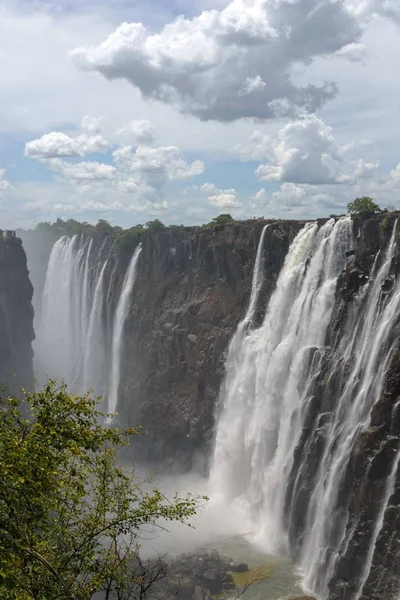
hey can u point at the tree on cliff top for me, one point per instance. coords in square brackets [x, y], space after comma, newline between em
[222, 219]
[70, 515]
[364, 204]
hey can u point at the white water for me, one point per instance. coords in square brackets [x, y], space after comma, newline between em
[121, 314]
[389, 490]
[361, 363]
[266, 395]
[79, 336]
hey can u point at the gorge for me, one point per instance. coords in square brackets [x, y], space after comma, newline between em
[263, 354]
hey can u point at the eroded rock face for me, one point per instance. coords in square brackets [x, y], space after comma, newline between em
[368, 550]
[192, 288]
[16, 317]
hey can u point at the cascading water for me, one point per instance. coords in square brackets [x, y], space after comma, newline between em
[359, 367]
[118, 329]
[79, 336]
[275, 449]
[70, 342]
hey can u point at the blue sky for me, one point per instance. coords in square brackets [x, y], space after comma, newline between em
[131, 110]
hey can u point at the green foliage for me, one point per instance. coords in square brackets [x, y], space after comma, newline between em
[221, 219]
[155, 225]
[69, 513]
[364, 204]
[386, 222]
[129, 239]
[103, 228]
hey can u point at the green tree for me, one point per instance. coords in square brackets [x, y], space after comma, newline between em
[128, 239]
[364, 204]
[70, 515]
[155, 225]
[103, 227]
[222, 219]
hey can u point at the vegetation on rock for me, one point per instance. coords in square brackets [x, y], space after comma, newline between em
[70, 514]
[364, 204]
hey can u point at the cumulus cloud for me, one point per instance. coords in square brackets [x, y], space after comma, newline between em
[84, 171]
[154, 167]
[143, 131]
[259, 146]
[231, 63]
[91, 125]
[218, 197]
[305, 151]
[139, 171]
[59, 145]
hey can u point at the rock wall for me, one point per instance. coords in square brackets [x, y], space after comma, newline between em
[362, 491]
[16, 317]
[192, 288]
[377, 448]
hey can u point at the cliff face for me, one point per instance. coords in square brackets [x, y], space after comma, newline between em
[373, 482]
[16, 317]
[365, 525]
[193, 287]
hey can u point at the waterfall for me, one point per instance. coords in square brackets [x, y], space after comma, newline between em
[95, 357]
[359, 366]
[282, 449]
[266, 379]
[70, 344]
[121, 314]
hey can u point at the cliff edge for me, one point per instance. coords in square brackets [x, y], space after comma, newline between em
[16, 317]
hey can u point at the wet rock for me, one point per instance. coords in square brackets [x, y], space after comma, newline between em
[185, 307]
[213, 580]
[16, 318]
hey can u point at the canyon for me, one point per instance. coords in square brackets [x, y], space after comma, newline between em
[263, 354]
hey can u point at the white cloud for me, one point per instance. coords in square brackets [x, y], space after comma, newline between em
[143, 131]
[253, 85]
[395, 174]
[305, 151]
[142, 172]
[154, 167]
[219, 197]
[355, 52]
[199, 65]
[259, 146]
[4, 184]
[59, 145]
[84, 171]
[91, 125]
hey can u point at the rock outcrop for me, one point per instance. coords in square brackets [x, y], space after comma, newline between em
[16, 317]
[193, 287]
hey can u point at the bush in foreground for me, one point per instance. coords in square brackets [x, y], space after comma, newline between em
[70, 515]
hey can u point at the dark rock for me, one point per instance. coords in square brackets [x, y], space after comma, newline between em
[228, 586]
[239, 568]
[185, 308]
[201, 593]
[16, 318]
[186, 590]
[213, 581]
